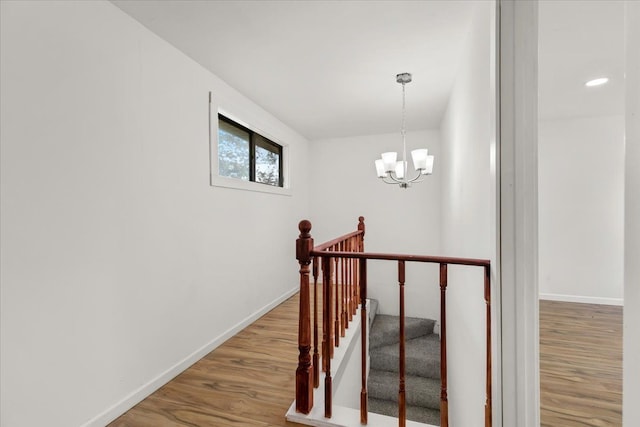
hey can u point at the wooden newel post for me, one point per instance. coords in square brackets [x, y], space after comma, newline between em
[304, 372]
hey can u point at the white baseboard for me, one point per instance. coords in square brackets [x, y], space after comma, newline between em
[145, 390]
[582, 299]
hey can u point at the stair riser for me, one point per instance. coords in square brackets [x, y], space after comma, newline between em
[418, 391]
[385, 330]
[414, 367]
[412, 400]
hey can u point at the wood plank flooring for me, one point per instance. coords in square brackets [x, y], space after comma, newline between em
[580, 364]
[248, 381]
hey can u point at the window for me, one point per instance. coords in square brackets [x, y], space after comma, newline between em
[246, 155]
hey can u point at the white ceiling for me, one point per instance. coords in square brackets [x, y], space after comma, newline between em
[579, 41]
[327, 68]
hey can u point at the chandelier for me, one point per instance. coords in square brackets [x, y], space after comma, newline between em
[392, 171]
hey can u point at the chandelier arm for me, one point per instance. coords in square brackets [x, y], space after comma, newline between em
[415, 179]
[384, 179]
[393, 179]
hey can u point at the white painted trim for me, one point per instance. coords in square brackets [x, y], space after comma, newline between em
[582, 299]
[237, 184]
[154, 384]
[496, 284]
[519, 212]
[631, 337]
[344, 417]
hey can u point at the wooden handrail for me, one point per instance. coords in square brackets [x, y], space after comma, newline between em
[359, 232]
[343, 263]
[404, 257]
[331, 243]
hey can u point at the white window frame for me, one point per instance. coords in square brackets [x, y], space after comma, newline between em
[216, 180]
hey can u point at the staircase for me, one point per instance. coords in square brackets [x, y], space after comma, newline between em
[422, 367]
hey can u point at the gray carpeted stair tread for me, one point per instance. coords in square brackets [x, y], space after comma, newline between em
[422, 357]
[385, 329]
[419, 391]
[414, 413]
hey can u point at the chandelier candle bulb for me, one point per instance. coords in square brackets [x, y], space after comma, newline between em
[380, 168]
[419, 157]
[400, 168]
[389, 159]
[429, 169]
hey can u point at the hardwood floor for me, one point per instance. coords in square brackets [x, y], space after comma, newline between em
[580, 364]
[247, 381]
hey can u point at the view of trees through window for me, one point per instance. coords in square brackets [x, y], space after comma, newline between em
[233, 151]
[246, 155]
[267, 164]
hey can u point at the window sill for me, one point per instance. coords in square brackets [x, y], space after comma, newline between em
[238, 184]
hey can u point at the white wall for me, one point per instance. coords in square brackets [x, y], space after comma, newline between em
[344, 186]
[347, 377]
[468, 217]
[631, 386]
[120, 265]
[581, 209]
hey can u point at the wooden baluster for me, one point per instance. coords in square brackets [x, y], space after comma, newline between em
[351, 307]
[339, 286]
[347, 278]
[402, 405]
[356, 280]
[352, 282]
[336, 319]
[304, 374]
[316, 368]
[364, 322]
[330, 313]
[344, 323]
[327, 351]
[325, 331]
[355, 266]
[487, 299]
[444, 402]
[361, 227]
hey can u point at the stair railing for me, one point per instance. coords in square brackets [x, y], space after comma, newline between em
[344, 283]
[341, 296]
